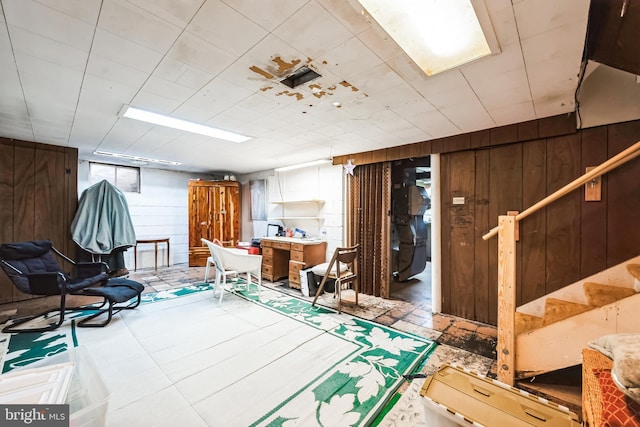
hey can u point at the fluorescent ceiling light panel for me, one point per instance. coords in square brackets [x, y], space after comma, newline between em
[303, 165]
[136, 158]
[436, 34]
[172, 122]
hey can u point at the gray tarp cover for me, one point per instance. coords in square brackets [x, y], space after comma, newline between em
[102, 222]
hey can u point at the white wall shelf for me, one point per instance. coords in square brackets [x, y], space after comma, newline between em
[297, 210]
[291, 202]
[284, 218]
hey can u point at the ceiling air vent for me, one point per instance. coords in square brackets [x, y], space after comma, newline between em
[300, 76]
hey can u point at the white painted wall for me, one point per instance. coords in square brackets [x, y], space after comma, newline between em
[324, 182]
[159, 210]
[161, 207]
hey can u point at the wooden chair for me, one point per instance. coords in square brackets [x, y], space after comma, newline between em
[343, 268]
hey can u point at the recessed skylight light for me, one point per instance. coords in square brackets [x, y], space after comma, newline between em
[187, 126]
[436, 34]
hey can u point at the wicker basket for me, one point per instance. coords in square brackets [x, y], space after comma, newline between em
[591, 396]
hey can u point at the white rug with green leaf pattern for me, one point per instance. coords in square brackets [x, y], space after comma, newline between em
[188, 360]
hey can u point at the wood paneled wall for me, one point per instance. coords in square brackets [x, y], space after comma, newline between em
[569, 240]
[38, 198]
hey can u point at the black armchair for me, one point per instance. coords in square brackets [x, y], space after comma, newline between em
[33, 269]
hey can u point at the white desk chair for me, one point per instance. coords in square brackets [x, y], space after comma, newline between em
[234, 261]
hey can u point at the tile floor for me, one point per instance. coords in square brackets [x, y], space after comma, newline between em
[472, 343]
[466, 343]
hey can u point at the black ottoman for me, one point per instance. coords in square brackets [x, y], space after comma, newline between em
[114, 292]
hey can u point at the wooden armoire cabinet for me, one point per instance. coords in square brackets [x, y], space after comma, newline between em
[214, 213]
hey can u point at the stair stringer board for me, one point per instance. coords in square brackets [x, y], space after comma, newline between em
[559, 345]
[616, 275]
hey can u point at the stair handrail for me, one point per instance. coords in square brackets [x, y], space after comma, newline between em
[507, 237]
[617, 160]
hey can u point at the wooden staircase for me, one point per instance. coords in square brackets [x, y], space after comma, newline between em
[552, 330]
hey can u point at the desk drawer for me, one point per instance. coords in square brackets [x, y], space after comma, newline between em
[282, 245]
[294, 280]
[267, 260]
[266, 244]
[297, 256]
[267, 269]
[267, 251]
[295, 267]
[297, 247]
[294, 273]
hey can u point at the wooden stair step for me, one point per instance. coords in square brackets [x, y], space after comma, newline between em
[526, 322]
[557, 309]
[634, 270]
[598, 294]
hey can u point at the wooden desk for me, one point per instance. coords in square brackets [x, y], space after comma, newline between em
[286, 256]
[155, 243]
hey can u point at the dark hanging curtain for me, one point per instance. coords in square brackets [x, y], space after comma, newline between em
[368, 223]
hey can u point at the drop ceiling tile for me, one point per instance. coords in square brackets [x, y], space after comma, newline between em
[536, 17]
[178, 13]
[440, 84]
[377, 40]
[45, 82]
[436, 124]
[503, 22]
[233, 119]
[349, 59]
[148, 100]
[489, 84]
[322, 32]
[84, 10]
[560, 104]
[47, 22]
[393, 123]
[90, 126]
[259, 103]
[198, 53]
[504, 96]
[513, 113]
[123, 134]
[192, 113]
[125, 52]
[219, 91]
[268, 14]
[349, 12]
[104, 96]
[468, 116]
[272, 59]
[508, 60]
[226, 28]
[181, 73]
[111, 72]
[29, 43]
[546, 50]
[128, 21]
[167, 89]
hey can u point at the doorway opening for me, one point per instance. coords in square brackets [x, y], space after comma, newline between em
[411, 230]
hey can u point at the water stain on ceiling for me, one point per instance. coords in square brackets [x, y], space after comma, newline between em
[278, 69]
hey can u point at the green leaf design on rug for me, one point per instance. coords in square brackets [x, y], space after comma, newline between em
[350, 387]
[352, 393]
